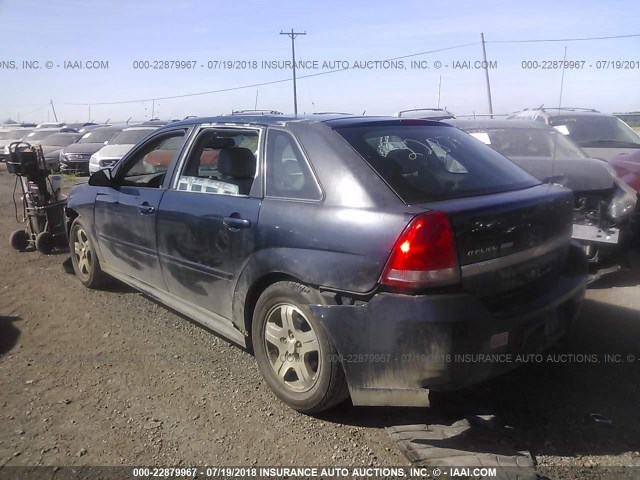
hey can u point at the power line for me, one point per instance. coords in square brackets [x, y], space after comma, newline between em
[584, 39]
[39, 109]
[21, 105]
[433, 51]
[272, 82]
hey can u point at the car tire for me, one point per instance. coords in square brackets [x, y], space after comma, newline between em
[44, 243]
[83, 257]
[19, 240]
[293, 351]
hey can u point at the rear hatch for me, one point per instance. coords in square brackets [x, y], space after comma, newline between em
[509, 240]
[509, 230]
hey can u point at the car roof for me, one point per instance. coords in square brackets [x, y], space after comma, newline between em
[140, 127]
[564, 111]
[66, 134]
[332, 120]
[104, 127]
[425, 113]
[466, 124]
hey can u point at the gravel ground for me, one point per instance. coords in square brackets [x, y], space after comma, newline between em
[111, 378]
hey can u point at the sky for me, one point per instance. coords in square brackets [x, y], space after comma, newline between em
[210, 33]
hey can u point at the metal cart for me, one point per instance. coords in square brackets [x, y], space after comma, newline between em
[43, 204]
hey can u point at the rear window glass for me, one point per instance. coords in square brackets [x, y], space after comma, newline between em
[429, 163]
[528, 142]
[130, 137]
[596, 131]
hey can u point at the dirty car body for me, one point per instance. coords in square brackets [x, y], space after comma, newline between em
[417, 255]
[604, 205]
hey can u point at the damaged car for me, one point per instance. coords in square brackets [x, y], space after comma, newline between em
[604, 205]
[361, 257]
[599, 135]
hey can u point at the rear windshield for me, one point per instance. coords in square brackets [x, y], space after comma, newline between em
[130, 137]
[98, 136]
[38, 135]
[428, 163]
[596, 131]
[528, 142]
[59, 140]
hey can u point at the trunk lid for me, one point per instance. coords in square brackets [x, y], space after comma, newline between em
[507, 240]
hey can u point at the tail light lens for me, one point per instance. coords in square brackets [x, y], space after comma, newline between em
[424, 255]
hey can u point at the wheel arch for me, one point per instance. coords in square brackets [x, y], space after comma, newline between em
[255, 289]
[71, 214]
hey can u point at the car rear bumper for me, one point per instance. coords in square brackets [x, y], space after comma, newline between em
[605, 256]
[395, 348]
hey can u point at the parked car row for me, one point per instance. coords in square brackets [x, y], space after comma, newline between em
[71, 147]
[38, 134]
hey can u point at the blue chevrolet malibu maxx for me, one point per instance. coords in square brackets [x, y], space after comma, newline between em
[368, 257]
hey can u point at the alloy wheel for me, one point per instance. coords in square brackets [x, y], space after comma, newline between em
[82, 251]
[292, 347]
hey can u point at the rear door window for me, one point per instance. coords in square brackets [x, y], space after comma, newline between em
[423, 163]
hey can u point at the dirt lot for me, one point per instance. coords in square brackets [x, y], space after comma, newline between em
[110, 378]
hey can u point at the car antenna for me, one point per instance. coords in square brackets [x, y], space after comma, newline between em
[364, 112]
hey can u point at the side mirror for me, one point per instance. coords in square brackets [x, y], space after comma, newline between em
[102, 178]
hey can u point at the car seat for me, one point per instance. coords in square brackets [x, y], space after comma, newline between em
[237, 165]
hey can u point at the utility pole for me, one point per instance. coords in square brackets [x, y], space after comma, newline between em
[555, 138]
[255, 106]
[439, 87]
[153, 108]
[54, 110]
[486, 74]
[564, 62]
[293, 36]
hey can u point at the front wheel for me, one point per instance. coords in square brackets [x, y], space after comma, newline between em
[85, 261]
[294, 354]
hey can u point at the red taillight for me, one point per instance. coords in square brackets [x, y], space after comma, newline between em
[424, 255]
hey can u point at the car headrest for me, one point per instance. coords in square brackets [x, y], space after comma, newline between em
[218, 143]
[402, 158]
[237, 162]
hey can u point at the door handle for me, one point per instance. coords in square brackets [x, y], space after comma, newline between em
[146, 209]
[235, 221]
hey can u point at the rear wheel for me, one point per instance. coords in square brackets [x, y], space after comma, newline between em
[85, 262]
[294, 353]
[19, 240]
[44, 243]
